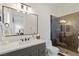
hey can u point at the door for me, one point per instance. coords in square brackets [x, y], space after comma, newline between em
[54, 28]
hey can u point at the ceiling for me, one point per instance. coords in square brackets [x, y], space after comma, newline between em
[60, 9]
[65, 8]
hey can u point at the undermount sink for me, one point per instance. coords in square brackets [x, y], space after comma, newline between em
[3, 43]
[6, 44]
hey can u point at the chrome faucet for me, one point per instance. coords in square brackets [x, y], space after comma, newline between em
[25, 39]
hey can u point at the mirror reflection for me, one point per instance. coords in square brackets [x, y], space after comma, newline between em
[18, 23]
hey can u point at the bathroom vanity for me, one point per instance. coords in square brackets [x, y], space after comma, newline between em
[16, 27]
[29, 48]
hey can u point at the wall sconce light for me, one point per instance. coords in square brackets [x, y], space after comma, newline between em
[30, 10]
[69, 23]
[26, 8]
[19, 6]
[22, 6]
[62, 21]
[78, 37]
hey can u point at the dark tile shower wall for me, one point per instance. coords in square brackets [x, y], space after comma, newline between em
[72, 40]
[54, 25]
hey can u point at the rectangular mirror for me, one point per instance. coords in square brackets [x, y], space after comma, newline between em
[19, 23]
[30, 24]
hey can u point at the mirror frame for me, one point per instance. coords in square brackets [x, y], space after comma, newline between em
[3, 8]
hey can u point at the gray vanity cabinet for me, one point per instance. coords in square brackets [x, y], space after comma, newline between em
[41, 50]
[37, 50]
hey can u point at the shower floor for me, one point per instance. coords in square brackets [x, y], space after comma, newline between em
[66, 52]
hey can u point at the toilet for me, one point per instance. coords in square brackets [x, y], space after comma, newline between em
[51, 50]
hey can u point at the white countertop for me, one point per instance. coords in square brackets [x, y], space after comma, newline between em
[9, 47]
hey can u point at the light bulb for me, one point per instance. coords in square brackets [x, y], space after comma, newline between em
[62, 21]
[30, 10]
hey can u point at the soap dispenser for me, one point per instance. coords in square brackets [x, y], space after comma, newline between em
[37, 36]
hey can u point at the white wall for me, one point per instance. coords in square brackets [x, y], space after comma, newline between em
[44, 11]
